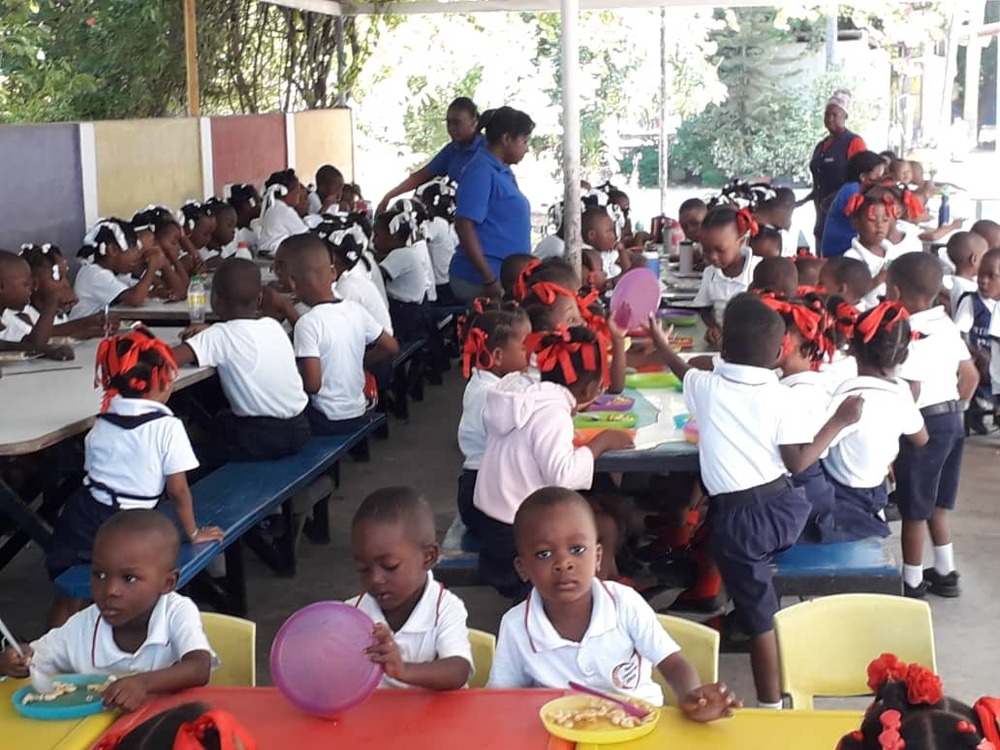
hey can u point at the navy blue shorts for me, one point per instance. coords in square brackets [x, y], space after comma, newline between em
[466, 491]
[858, 511]
[72, 541]
[927, 478]
[821, 527]
[497, 551]
[320, 425]
[261, 438]
[746, 532]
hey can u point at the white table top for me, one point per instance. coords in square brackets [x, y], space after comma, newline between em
[44, 402]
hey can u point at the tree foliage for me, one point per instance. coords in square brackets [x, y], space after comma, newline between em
[424, 119]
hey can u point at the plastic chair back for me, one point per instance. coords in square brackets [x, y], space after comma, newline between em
[484, 645]
[235, 642]
[699, 645]
[825, 645]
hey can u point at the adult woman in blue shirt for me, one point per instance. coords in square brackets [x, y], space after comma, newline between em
[462, 121]
[492, 215]
[864, 169]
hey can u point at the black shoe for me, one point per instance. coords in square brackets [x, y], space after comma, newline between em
[915, 592]
[940, 585]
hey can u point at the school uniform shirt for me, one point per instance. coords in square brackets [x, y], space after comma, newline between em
[95, 287]
[717, 289]
[812, 393]
[860, 454]
[876, 263]
[910, 242]
[232, 250]
[529, 445]
[356, 286]
[374, 273]
[441, 243]
[453, 158]
[277, 223]
[960, 286]
[744, 414]
[995, 354]
[471, 431]
[609, 263]
[551, 246]
[489, 197]
[314, 203]
[934, 359]
[436, 629]
[977, 334]
[408, 273]
[336, 333]
[623, 644]
[136, 461]
[842, 367]
[86, 643]
[15, 327]
[256, 366]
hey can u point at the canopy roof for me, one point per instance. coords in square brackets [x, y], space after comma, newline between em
[334, 8]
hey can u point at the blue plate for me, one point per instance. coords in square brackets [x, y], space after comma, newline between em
[69, 706]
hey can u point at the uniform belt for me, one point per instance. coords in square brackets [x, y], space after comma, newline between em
[945, 407]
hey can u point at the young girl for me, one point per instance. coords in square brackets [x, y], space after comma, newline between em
[864, 170]
[197, 227]
[529, 440]
[50, 279]
[135, 452]
[406, 267]
[730, 264]
[106, 278]
[494, 348]
[871, 215]
[860, 455]
[284, 205]
[222, 243]
[245, 200]
[438, 198]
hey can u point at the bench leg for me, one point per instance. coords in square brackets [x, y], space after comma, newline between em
[360, 453]
[277, 553]
[227, 594]
[400, 395]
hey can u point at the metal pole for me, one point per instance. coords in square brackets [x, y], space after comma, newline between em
[191, 57]
[341, 91]
[664, 109]
[571, 131]
[831, 37]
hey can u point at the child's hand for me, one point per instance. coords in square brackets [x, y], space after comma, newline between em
[618, 321]
[274, 303]
[610, 440]
[659, 338]
[714, 335]
[709, 702]
[849, 411]
[193, 330]
[126, 693]
[206, 534]
[386, 652]
[11, 663]
[58, 353]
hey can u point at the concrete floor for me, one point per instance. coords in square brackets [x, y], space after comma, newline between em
[423, 453]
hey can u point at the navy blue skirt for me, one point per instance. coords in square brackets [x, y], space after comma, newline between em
[72, 541]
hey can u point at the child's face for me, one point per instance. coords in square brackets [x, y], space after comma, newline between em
[298, 198]
[391, 564]
[45, 279]
[382, 241]
[722, 246]
[766, 247]
[690, 221]
[201, 234]
[988, 278]
[128, 576]
[559, 553]
[16, 285]
[901, 172]
[513, 356]
[170, 240]
[873, 224]
[565, 311]
[601, 235]
[147, 240]
[225, 228]
[123, 261]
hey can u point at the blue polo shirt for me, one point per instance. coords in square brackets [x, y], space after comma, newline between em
[452, 159]
[488, 196]
[838, 232]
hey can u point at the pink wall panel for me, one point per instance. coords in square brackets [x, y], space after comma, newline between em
[247, 148]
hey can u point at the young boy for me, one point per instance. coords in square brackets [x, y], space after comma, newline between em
[420, 626]
[574, 627]
[598, 231]
[989, 231]
[334, 341]
[941, 375]
[751, 436]
[973, 315]
[776, 276]
[965, 251]
[846, 277]
[16, 333]
[690, 215]
[256, 366]
[138, 628]
[329, 187]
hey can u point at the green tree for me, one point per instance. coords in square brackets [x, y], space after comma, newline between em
[424, 119]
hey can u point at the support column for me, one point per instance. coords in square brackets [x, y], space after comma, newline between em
[191, 58]
[571, 131]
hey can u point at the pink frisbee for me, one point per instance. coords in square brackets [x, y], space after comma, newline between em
[635, 298]
[318, 659]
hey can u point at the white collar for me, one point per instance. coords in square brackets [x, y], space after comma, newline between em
[807, 377]
[867, 254]
[542, 635]
[869, 383]
[746, 374]
[929, 316]
[425, 614]
[134, 407]
[104, 652]
[745, 274]
[489, 377]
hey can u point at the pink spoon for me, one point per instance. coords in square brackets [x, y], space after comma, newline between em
[629, 708]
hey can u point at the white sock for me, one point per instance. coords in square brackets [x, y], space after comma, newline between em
[913, 575]
[772, 706]
[944, 558]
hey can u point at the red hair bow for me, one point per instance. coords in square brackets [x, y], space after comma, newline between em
[521, 288]
[548, 291]
[889, 313]
[914, 208]
[847, 317]
[745, 222]
[889, 738]
[558, 351]
[988, 712]
[110, 365]
[808, 322]
[476, 351]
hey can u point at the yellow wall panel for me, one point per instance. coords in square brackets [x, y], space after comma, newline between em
[324, 136]
[147, 161]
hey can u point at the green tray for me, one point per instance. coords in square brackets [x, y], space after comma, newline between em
[653, 380]
[606, 420]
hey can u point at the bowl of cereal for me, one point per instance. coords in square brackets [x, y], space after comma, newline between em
[583, 718]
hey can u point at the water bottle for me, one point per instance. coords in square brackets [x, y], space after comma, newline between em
[243, 251]
[676, 238]
[197, 300]
[944, 213]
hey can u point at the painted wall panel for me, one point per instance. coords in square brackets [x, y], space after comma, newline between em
[324, 136]
[41, 197]
[147, 161]
[247, 148]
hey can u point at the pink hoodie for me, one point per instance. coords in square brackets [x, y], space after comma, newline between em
[529, 445]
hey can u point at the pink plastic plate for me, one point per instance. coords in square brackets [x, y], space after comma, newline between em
[318, 661]
[612, 402]
[636, 295]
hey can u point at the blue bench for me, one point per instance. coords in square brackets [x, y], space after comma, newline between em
[238, 496]
[400, 386]
[866, 566]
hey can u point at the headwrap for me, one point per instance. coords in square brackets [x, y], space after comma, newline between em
[842, 98]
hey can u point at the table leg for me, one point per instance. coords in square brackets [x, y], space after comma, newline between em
[21, 513]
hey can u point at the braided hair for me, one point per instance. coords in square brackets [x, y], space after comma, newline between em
[345, 239]
[41, 257]
[104, 234]
[131, 364]
[569, 356]
[881, 336]
[486, 331]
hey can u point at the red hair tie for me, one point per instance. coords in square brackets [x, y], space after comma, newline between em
[191, 735]
[803, 252]
[476, 351]
[807, 322]
[914, 208]
[110, 365]
[889, 738]
[746, 223]
[988, 712]
[548, 291]
[874, 319]
[521, 287]
[559, 350]
[854, 203]
[890, 207]
[847, 317]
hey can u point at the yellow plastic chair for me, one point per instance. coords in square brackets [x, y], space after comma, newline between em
[484, 645]
[825, 645]
[234, 640]
[699, 645]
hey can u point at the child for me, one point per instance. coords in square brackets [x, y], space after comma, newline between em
[941, 375]
[807, 269]
[329, 189]
[284, 205]
[17, 332]
[494, 348]
[730, 264]
[776, 276]
[871, 214]
[197, 227]
[690, 215]
[438, 197]
[965, 251]
[973, 316]
[156, 227]
[420, 627]
[406, 267]
[136, 450]
[766, 243]
[551, 270]
[593, 270]
[848, 278]
[350, 196]
[989, 231]
[574, 627]
[752, 433]
[223, 242]
[246, 201]
[512, 269]
[552, 244]
[864, 169]
[138, 629]
[598, 231]
[334, 341]
[256, 367]
[529, 440]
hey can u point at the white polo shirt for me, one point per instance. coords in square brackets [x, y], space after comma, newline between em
[256, 366]
[934, 359]
[95, 287]
[623, 644]
[136, 461]
[965, 316]
[356, 285]
[471, 430]
[744, 414]
[860, 454]
[15, 328]
[842, 367]
[717, 289]
[995, 354]
[337, 333]
[86, 643]
[436, 629]
[960, 286]
[408, 273]
[441, 244]
[277, 223]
